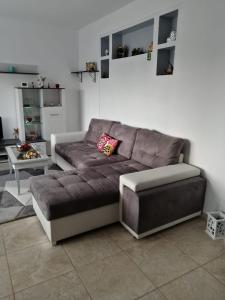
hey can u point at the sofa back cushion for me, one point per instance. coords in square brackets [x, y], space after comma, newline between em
[126, 135]
[155, 149]
[96, 128]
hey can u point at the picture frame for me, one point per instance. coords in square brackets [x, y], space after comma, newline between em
[24, 84]
[91, 66]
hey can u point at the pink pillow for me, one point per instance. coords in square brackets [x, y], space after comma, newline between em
[110, 146]
[104, 138]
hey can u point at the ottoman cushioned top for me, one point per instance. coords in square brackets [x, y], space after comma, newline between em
[65, 193]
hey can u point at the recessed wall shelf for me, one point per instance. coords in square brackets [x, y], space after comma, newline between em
[105, 68]
[165, 56]
[167, 23]
[79, 74]
[166, 46]
[135, 37]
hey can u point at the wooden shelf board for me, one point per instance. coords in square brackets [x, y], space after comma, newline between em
[78, 72]
[23, 88]
[18, 73]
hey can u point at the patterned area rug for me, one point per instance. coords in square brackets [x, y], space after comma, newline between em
[12, 206]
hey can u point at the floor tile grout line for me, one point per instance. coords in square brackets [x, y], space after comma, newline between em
[26, 248]
[198, 263]
[186, 273]
[39, 283]
[86, 289]
[158, 287]
[7, 262]
[141, 272]
[213, 276]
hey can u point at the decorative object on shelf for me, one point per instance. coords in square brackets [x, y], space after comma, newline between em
[32, 136]
[122, 51]
[149, 51]
[57, 85]
[134, 52]
[41, 81]
[32, 85]
[16, 133]
[106, 52]
[24, 84]
[216, 225]
[91, 66]
[28, 120]
[169, 70]
[11, 69]
[172, 37]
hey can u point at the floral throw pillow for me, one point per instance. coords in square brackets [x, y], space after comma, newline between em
[110, 146]
[104, 138]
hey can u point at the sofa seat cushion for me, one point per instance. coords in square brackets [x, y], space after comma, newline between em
[96, 128]
[126, 135]
[83, 155]
[65, 193]
[155, 149]
[60, 194]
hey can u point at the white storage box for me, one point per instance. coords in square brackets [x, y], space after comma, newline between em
[216, 225]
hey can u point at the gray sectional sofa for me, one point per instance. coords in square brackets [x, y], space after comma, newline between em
[144, 185]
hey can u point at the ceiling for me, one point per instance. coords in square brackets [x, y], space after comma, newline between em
[76, 13]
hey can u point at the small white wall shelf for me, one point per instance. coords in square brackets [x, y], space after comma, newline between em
[79, 74]
[18, 69]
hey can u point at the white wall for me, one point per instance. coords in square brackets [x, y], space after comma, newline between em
[53, 50]
[189, 104]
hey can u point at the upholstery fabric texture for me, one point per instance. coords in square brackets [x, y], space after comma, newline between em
[126, 135]
[83, 155]
[65, 193]
[146, 210]
[96, 128]
[155, 149]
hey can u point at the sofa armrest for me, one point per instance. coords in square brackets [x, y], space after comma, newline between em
[143, 180]
[66, 137]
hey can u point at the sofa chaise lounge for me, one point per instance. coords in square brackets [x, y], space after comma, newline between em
[144, 185]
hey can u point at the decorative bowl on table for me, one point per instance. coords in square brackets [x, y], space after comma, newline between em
[23, 147]
[26, 151]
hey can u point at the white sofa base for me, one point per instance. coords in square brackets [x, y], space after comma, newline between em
[157, 229]
[62, 228]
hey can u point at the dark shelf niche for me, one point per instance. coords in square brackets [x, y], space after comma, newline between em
[167, 23]
[105, 68]
[138, 36]
[165, 56]
[104, 45]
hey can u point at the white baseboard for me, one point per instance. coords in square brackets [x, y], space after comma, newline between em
[149, 232]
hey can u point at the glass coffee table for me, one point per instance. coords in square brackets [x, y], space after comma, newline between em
[19, 164]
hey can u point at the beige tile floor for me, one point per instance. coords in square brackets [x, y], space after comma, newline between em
[109, 264]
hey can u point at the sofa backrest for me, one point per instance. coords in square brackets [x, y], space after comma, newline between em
[155, 149]
[127, 135]
[96, 128]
